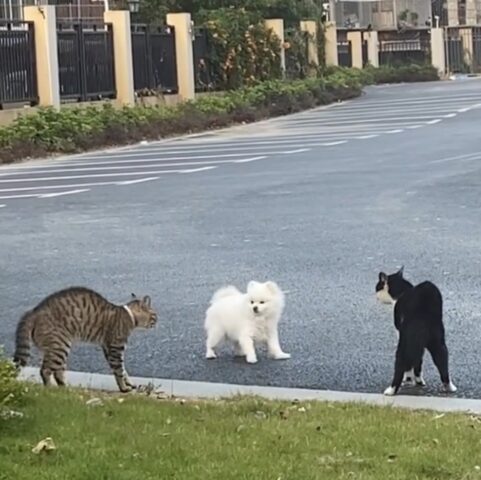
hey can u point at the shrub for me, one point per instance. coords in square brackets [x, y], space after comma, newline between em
[11, 390]
[242, 51]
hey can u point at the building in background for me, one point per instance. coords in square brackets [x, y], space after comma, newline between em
[67, 10]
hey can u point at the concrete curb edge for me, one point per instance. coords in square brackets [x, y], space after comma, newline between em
[192, 389]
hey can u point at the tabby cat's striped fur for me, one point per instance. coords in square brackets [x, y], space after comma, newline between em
[80, 314]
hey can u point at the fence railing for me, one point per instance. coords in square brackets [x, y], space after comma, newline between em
[154, 59]
[18, 71]
[462, 48]
[205, 78]
[85, 62]
[344, 53]
[410, 47]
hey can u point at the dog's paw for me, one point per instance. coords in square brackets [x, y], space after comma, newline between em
[390, 391]
[250, 359]
[450, 387]
[282, 356]
[420, 381]
[210, 354]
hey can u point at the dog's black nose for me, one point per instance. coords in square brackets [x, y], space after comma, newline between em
[256, 309]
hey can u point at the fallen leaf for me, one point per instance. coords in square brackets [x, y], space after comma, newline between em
[437, 417]
[391, 457]
[301, 410]
[94, 402]
[240, 428]
[45, 445]
[436, 441]
[120, 400]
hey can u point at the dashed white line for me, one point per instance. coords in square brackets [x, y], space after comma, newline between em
[365, 137]
[450, 115]
[413, 127]
[395, 131]
[140, 180]
[2, 206]
[299, 150]
[59, 194]
[194, 170]
[247, 160]
[432, 122]
[331, 144]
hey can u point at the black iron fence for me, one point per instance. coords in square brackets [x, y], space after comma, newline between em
[86, 62]
[18, 72]
[412, 47]
[344, 53]
[205, 77]
[154, 59]
[296, 54]
[462, 46]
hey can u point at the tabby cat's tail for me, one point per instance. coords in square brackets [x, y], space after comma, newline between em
[23, 337]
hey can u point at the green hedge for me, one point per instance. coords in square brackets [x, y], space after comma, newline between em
[11, 390]
[79, 129]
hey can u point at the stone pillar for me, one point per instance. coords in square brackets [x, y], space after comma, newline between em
[453, 16]
[330, 48]
[277, 26]
[184, 51]
[438, 58]
[45, 25]
[356, 48]
[372, 47]
[310, 27]
[124, 69]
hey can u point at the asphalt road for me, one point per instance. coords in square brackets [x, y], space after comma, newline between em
[319, 201]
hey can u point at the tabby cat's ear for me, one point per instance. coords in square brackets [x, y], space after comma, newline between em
[147, 300]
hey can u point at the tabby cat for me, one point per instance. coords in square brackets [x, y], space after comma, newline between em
[80, 314]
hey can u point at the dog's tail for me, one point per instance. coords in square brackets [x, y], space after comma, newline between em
[23, 336]
[224, 292]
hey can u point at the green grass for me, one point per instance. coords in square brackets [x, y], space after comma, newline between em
[142, 438]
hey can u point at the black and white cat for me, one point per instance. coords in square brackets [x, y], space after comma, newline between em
[418, 317]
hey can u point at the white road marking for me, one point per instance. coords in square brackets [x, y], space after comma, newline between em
[140, 180]
[432, 122]
[2, 206]
[59, 194]
[395, 131]
[331, 144]
[97, 175]
[247, 160]
[413, 127]
[54, 187]
[194, 170]
[450, 115]
[299, 150]
[465, 156]
[365, 137]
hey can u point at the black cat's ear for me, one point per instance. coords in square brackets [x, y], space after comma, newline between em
[382, 277]
[400, 271]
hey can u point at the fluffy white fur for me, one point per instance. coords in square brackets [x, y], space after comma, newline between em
[246, 318]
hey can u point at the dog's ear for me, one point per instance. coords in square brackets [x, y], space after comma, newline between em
[252, 284]
[400, 272]
[146, 300]
[382, 277]
[272, 287]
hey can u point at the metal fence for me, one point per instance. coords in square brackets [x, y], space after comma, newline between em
[462, 46]
[86, 62]
[297, 63]
[205, 78]
[344, 54]
[154, 59]
[18, 71]
[413, 47]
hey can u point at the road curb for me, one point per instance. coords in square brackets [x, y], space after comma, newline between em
[191, 389]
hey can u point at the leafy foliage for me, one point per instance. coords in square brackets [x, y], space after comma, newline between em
[11, 390]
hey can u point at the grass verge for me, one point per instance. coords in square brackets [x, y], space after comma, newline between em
[235, 439]
[73, 130]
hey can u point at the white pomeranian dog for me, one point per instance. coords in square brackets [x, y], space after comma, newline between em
[246, 318]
